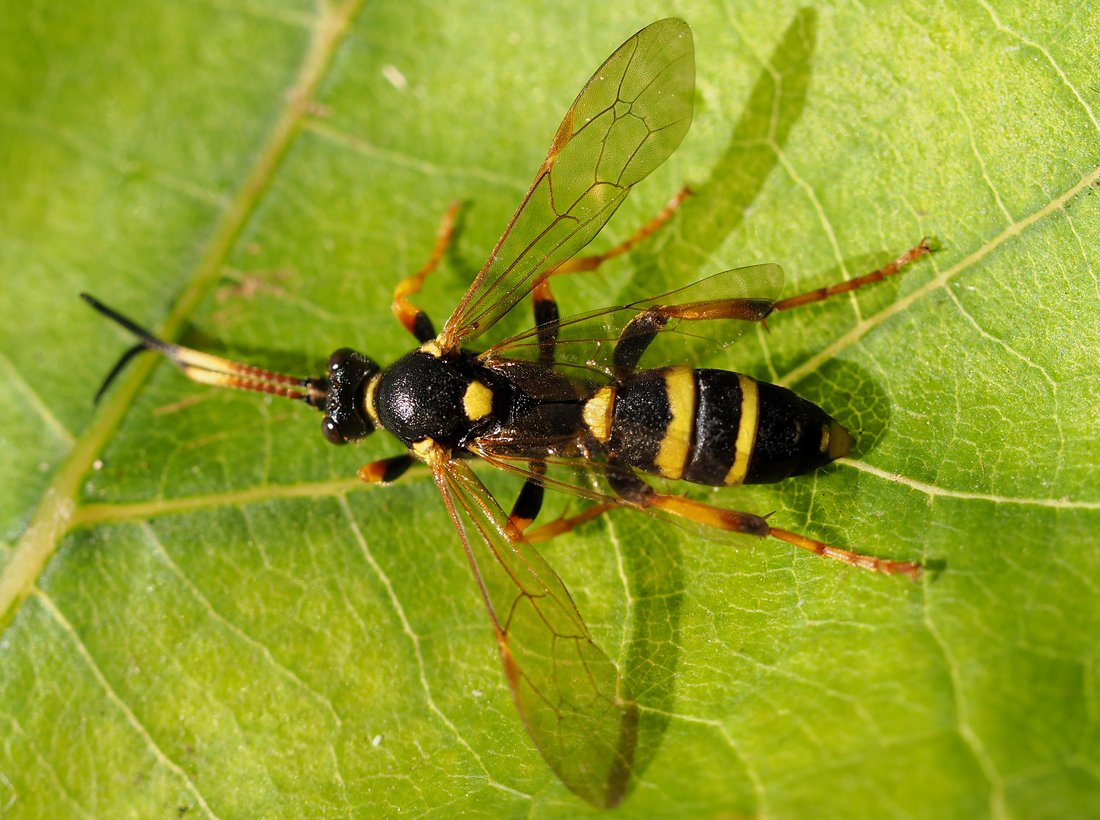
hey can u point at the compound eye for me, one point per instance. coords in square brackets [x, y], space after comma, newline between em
[332, 431]
[338, 359]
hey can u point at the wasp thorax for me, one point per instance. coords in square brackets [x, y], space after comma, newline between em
[346, 418]
[422, 396]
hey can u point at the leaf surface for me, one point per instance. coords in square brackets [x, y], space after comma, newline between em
[202, 611]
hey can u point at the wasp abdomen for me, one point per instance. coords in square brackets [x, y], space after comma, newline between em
[793, 436]
[715, 427]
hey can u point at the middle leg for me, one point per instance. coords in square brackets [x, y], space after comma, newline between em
[546, 307]
[529, 503]
[921, 249]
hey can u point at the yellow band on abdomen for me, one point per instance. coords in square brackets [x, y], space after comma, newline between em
[672, 454]
[746, 431]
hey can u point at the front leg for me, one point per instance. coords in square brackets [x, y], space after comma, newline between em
[386, 470]
[413, 318]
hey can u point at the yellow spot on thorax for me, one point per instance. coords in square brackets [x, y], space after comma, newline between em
[478, 401]
[672, 454]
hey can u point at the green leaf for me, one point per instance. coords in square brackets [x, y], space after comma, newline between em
[203, 612]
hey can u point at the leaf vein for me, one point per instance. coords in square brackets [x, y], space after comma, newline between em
[34, 401]
[933, 491]
[980, 158]
[1049, 58]
[44, 763]
[400, 159]
[719, 727]
[414, 640]
[862, 328]
[264, 650]
[997, 807]
[113, 696]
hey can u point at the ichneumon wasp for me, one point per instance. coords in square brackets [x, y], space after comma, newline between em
[568, 405]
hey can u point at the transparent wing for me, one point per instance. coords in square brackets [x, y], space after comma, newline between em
[567, 468]
[705, 315]
[626, 121]
[576, 707]
[564, 466]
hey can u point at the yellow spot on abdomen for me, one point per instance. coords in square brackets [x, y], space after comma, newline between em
[840, 441]
[746, 431]
[597, 413]
[478, 401]
[672, 455]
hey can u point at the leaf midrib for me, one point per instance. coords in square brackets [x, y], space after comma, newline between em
[53, 517]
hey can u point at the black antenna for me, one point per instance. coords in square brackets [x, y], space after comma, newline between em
[207, 369]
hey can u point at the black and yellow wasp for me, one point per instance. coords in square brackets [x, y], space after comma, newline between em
[569, 405]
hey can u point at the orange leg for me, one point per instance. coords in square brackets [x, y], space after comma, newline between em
[412, 317]
[921, 249]
[638, 494]
[386, 470]
[856, 559]
[551, 529]
[750, 524]
[580, 264]
[542, 300]
[729, 521]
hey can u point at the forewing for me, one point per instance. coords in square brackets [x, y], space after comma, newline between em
[626, 121]
[576, 707]
[724, 305]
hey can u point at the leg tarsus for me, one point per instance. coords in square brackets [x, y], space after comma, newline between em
[856, 559]
[921, 249]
